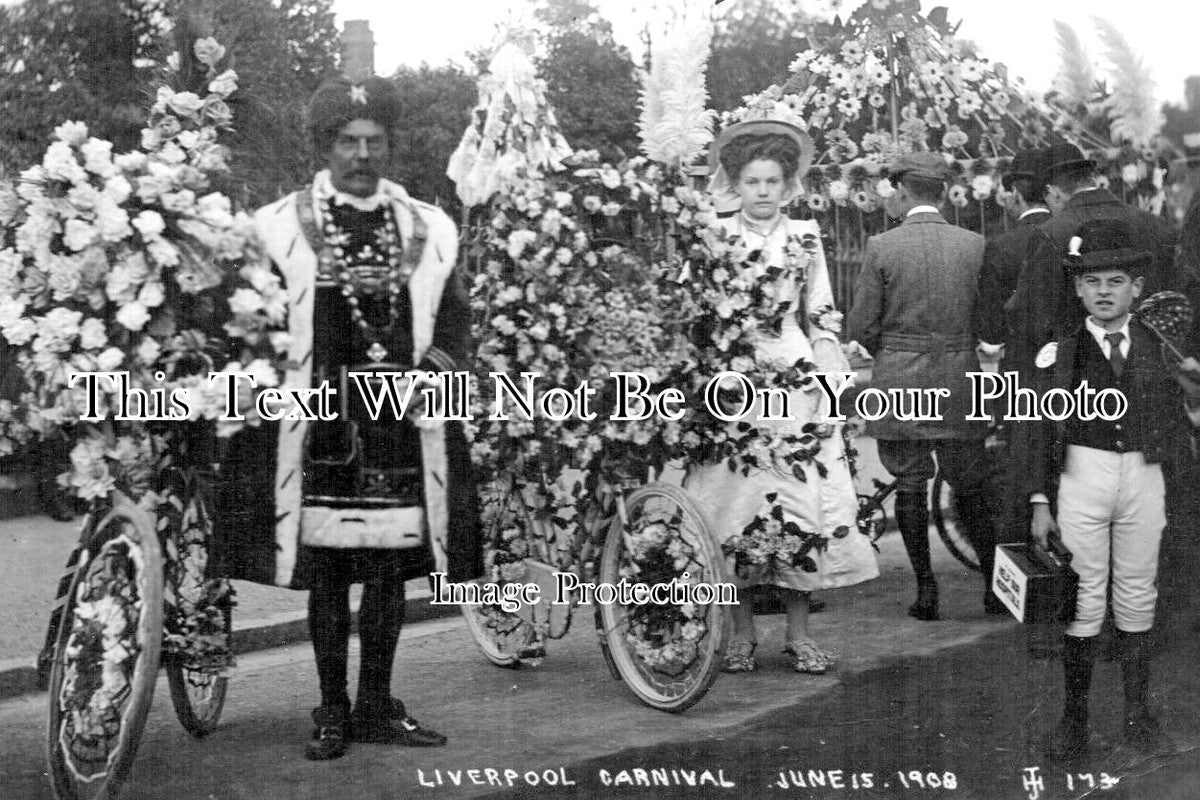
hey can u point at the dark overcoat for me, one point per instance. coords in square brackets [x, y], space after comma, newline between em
[1003, 260]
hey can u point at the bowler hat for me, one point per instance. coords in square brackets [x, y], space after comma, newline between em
[763, 127]
[1026, 165]
[1101, 244]
[930, 166]
[1060, 157]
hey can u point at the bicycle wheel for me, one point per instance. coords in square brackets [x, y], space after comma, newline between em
[106, 659]
[945, 519]
[504, 638]
[200, 609]
[198, 691]
[667, 654]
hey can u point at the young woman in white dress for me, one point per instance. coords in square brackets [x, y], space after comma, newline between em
[760, 164]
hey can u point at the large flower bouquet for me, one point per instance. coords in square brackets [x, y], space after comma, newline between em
[132, 264]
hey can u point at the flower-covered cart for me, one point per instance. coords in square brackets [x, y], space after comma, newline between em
[574, 285]
[125, 279]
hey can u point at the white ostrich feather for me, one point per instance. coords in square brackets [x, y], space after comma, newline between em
[675, 123]
[1135, 112]
[1076, 78]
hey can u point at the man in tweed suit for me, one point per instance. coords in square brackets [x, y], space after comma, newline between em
[913, 307]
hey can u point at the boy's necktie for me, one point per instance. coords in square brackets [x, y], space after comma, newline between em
[1114, 352]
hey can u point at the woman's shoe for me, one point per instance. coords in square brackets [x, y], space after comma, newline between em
[739, 657]
[808, 658]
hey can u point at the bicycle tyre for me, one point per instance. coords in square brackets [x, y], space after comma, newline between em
[501, 647]
[119, 581]
[197, 690]
[946, 521]
[665, 689]
[197, 694]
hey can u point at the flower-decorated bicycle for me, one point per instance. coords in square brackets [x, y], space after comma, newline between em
[125, 279]
[591, 277]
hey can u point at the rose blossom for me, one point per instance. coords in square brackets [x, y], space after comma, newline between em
[133, 316]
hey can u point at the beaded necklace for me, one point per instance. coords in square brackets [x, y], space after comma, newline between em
[393, 272]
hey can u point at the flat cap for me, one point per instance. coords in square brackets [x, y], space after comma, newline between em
[930, 166]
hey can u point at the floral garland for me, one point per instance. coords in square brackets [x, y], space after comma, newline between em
[735, 298]
[666, 638]
[100, 656]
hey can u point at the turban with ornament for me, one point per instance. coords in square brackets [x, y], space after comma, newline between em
[339, 101]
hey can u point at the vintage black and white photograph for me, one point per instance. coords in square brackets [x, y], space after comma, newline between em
[599, 398]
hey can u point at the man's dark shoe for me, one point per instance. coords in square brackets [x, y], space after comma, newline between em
[1069, 740]
[405, 731]
[329, 737]
[926, 607]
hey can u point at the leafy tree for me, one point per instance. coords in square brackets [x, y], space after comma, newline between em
[437, 103]
[61, 60]
[97, 61]
[591, 80]
[754, 43]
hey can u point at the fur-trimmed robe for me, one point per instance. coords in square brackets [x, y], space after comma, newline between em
[260, 505]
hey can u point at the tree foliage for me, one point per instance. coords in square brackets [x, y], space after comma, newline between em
[755, 41]
[96, 61]
[62, 60]
[437, 103]
[591, 81]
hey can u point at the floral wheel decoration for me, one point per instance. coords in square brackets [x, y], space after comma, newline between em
[197, 605]
[99, 658]
[665, 638]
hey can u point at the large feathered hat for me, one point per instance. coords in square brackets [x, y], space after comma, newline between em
[340, 101]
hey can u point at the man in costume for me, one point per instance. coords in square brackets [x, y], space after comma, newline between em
[372, 285]
[912, 310]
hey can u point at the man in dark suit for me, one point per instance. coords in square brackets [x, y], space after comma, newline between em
[912, 310]
[1044, 305]
[1005, 253]
[1004, 259]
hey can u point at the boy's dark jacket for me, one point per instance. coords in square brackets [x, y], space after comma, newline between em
[1155, 415]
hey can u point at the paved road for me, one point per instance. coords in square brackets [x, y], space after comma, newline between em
[954, 696]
